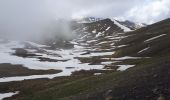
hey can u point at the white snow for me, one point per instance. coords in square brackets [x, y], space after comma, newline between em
[94, 31]
[97, 54]
[102, 42]
[108, 28]
[73, 42]
[120, 46]
[139, 25]
[144, 50]
[97, 74]
[78, 47]
[109, 36]
[99, 34]
[124, 67]
[118, 37]
[123, 58]
[148, 40]
[85, 28]
[66, 72]
[121, 26]
[91, 41]
[6, 95]
[83, 37]
[34, 63]
[106, 63]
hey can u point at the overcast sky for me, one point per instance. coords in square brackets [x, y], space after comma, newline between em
[138, 10]
[30, 16]
[145, 11]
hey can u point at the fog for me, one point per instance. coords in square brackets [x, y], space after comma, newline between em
[25, 19]
[33, 19]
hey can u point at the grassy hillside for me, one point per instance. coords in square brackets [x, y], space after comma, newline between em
[137, 40]
[148, 80]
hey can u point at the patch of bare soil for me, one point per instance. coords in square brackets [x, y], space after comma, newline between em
[8, 70]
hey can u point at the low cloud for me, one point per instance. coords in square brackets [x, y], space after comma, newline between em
[150, 12]
[32, 18]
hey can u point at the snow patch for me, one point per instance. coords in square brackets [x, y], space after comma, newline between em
[120, 46]
[66, 72]
[121, 26]
[94, 31]
[124, 67]
[106, 63]
[99, 34]
[97, 54]
[148, 40]
[97, 74]
[108, 28]
[123, 58]
[144, 50]
[6, 95]
[34, 63]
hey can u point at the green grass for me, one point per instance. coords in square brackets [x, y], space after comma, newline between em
[87, 85]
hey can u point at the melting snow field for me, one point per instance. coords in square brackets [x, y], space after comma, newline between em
[6, 49]
[5, 95]
[71, 64]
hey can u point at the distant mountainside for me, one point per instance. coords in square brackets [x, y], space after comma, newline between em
[101, 34]
[83, 29]
[132, 25]
[87, 19]
[126, 23]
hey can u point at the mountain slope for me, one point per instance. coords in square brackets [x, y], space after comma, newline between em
[148, 41]
[132, 25]
[147, 49]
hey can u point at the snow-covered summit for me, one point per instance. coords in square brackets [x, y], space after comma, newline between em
[88, 19]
